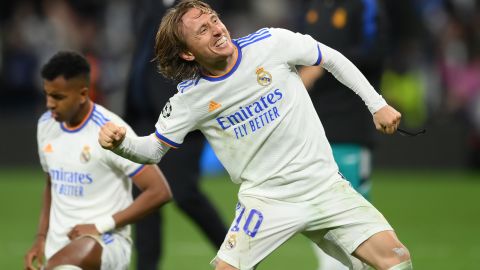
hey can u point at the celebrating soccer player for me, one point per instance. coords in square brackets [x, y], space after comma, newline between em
[246, 97]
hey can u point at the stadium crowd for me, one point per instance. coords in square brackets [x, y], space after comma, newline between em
[431, 73]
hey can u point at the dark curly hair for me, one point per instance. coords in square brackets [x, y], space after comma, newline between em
[68, 64]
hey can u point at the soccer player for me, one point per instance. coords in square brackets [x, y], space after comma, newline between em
[246, 97]
[87, 201]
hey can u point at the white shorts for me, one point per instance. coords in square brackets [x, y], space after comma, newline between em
[338, 221]
[116, 251]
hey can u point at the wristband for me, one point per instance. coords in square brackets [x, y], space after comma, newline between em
[105, 224]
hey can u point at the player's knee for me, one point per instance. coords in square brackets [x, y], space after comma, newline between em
[399, 260]
[66, 267]
[406, 265]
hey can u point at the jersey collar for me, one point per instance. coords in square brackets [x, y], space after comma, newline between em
[230, 72]
[82, 124]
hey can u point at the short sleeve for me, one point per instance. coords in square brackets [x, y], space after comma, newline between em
[174, 122]
[296, 48]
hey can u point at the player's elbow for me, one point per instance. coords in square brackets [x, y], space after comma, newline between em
[162, 192]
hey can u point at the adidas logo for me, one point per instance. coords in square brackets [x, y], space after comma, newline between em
[213, 106]
[48, 148]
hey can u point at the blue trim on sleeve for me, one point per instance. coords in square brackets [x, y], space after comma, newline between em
[319, 59]
[165, 139]
[228, 74]
[136, 171]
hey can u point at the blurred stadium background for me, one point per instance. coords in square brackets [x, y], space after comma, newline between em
[427, 186]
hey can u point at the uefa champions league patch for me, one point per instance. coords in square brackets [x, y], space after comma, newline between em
[167, 110]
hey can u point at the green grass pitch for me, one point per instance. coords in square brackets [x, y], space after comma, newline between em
[437, 215]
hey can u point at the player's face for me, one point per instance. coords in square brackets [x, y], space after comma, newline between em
[207, 38]
[65, 99]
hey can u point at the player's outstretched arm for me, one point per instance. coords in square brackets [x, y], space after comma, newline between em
[37, 251]
[348, 74]
[144, 150]
[387, 119]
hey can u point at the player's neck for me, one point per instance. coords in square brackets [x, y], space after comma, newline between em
[221, 68]
[81, 116]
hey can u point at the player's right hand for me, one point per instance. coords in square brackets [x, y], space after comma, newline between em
[35, 253]
[111, 135]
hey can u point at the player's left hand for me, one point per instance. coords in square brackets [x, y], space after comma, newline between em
[387, 119]
[82, 229]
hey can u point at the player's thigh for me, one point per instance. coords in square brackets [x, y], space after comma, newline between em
[382, 250]
[84, 252]
[342, 220]
[259, 227]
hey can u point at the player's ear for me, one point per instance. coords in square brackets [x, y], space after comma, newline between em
[186, 55]
[84, 94]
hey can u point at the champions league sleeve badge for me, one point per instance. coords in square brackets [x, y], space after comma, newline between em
[85, 155]
[264, 78]
[167, 110]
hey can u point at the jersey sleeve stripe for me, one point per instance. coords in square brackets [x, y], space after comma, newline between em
[253, 35]
[184, 83]
[255, 40]
[185, 86]
[100, 116]
[98, 121]
[165, 140]
[137, 171]
[319, 58]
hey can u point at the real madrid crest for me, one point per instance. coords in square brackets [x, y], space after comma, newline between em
[231, 241]
[85, 155]
[264, 78]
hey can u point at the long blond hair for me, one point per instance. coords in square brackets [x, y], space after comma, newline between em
[169, 42]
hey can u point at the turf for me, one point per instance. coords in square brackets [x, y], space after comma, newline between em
[437, 215]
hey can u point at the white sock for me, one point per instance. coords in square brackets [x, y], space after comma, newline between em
[67, 267]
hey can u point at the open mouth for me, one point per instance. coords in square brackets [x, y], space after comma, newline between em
[221, 42]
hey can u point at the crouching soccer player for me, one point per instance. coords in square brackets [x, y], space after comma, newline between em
[246, 97]
[87, 201]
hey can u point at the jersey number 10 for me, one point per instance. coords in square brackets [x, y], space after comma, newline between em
[249, 228]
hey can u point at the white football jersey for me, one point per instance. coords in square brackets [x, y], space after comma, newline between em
[259, 118]
[88, 182]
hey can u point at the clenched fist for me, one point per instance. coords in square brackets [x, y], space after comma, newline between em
[111, 135]
[387, 119]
